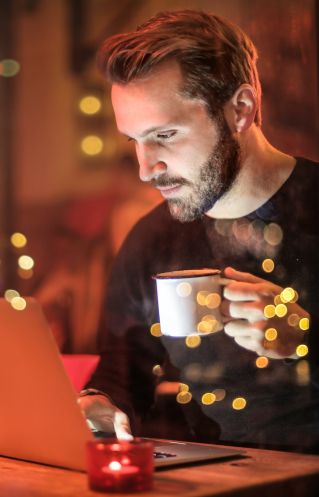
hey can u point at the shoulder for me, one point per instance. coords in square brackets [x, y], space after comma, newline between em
[307, 165]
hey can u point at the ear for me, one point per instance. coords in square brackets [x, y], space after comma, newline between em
[240, 110]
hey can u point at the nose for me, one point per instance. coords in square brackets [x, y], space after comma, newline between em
[151, 167]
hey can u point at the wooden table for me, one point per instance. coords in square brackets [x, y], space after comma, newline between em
[260, 473]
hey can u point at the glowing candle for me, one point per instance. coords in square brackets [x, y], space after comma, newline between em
[120, 466]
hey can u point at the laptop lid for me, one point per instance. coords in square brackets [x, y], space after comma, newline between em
[40, 419]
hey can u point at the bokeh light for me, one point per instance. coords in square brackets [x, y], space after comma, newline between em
[293, 319]
[271, 334]
[269, 311]
[183, 289]
[303, 372]
[213, 300]
[25, 274]
[18, 240]
[157, 370]
[273, 234]
[11, 294]
[268, 265]
[18, 303]
[9, 68]
[193, 341]
[90, 105]
[183, 387]
[92, 145]
[219, 393]
[25, 262]
[201, 297]
[281, 310]
[184, 397]
[262, 362]
[304, 324]
[302, 350]
[155, 330]
[287, 295]
[208, 398]
[239, 403]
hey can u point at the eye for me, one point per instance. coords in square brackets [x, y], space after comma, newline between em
[165, 135]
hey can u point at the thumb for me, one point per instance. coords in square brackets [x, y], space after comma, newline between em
[122, 426]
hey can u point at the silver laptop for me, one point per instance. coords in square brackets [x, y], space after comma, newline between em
[40, 419]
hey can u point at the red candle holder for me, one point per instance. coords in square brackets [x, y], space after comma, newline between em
[120, 466]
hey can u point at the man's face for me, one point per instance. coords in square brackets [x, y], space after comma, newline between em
[192, 159]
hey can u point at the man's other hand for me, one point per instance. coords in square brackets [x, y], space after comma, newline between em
[246, 320]
[104, 416]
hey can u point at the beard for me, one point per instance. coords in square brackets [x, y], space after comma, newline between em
[216, 177]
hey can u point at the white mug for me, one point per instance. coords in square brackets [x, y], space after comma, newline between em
[189, 301]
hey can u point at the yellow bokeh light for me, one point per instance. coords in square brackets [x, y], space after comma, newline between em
[184, 397]
[201, 297]
[193, 341]
[281, 310]
[208, 398]
[18, 240]
[269, 311]
[277, 300]
[11, 294]
[287, 295]
[302, 350]
[271, 334]
[213, 300]
[206, 326]
[25, 262]
[155, 330]
[304, 324]
[18, 303]
[184, 289]
[92, 145]
[268, 265]
[90, 105]
[220, 394]
[262, 362]
[239, 403]
[293, 319]
[183, 387]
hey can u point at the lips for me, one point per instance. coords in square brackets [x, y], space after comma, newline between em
[169, 191]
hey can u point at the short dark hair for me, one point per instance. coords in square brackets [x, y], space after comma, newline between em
[215, 55]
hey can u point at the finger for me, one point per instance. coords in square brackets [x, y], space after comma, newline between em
[233, 274]
[122, 426]
[251, 311]
[241, 292]
[249, 344]
[241, 328]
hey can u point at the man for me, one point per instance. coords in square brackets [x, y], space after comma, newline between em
[185, 90]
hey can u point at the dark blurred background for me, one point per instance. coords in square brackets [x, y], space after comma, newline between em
[69, 188]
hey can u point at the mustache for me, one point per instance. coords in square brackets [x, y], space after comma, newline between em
[164, 181]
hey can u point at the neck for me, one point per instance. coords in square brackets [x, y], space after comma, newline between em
[263, 170]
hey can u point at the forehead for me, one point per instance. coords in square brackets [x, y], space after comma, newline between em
[151, 101]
